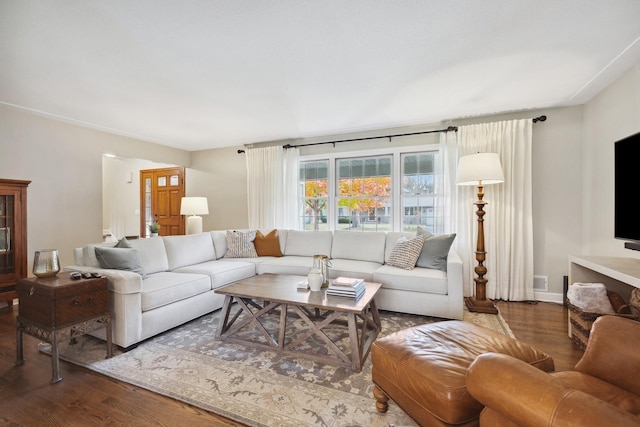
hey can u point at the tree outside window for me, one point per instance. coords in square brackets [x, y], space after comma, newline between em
[364, 191]
[315, 181]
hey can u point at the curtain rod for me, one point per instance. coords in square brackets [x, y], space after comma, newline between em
[449, 129]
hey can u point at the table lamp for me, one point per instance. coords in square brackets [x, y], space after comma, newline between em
[194, 206]
[480, 169]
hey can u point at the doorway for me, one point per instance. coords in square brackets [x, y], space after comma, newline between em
[161, 192]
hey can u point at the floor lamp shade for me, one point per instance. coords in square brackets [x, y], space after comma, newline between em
[480, 169]
[194, 206]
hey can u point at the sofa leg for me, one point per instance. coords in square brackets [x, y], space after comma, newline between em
[381, 399]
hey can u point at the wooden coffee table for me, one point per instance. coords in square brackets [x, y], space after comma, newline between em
[266, 293]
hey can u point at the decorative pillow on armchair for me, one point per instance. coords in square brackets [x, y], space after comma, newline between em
[240, 244]
[268, 245]
[435, 249]
[405, 253]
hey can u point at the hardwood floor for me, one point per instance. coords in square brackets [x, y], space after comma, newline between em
[87, 398]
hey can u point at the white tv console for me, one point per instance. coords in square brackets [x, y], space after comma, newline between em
[618, 274]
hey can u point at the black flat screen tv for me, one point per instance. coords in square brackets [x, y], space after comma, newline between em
[626, 192]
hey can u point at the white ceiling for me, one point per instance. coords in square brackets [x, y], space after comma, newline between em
[199, 74]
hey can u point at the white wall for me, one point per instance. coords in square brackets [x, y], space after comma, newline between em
[608, 117]
[64, 164]
[220, 175]
[121, 194]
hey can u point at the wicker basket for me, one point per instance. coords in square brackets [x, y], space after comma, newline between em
[581, 321]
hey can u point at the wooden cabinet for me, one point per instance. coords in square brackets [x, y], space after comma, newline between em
[13, 236]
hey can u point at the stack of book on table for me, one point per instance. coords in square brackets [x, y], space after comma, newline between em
[346, 287]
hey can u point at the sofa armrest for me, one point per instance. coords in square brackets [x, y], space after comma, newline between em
[527, 396]
[621, 366]
[120, 281]
[455, 282]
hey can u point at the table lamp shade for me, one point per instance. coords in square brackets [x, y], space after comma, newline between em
[194, 206]
[479, 169]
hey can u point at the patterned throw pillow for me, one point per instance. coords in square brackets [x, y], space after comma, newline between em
[268, 245]
[405, 253]
[240, 245]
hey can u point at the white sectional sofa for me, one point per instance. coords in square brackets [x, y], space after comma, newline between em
[181, 273]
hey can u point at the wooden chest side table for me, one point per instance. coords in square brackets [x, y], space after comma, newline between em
[52, 304]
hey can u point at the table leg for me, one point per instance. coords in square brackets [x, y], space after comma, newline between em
[375, 314]
[109, 339]
[226, 308]
[55, 361]
[356, 355]
[283, 326]
[19, 354]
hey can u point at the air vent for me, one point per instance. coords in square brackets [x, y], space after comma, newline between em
[541, 283]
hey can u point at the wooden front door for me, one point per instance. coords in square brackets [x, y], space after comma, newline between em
[161, 192]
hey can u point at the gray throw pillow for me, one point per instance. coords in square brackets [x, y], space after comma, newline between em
[123, 243]
[435, 250]
[120, 259]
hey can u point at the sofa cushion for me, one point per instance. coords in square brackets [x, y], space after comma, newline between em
[221, 272]
[435, 249]
[358, 246]
[119, 259]
[268, 244]
[297, 265]
[152, 254]
[425, 280]
[308, 243]
[405, 252]
[164, 288]
[189, 249]
[219, 238]
[352, 268]
[240, 244]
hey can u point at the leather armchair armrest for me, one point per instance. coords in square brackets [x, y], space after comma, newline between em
[612, 352]
[528, 396]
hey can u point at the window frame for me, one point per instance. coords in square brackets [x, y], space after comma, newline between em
[396, 181]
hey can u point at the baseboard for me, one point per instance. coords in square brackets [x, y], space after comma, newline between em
[548, 297]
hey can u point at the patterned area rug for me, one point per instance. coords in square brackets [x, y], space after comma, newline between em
[254, 387]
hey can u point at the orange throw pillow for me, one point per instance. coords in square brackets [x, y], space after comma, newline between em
[268, 245]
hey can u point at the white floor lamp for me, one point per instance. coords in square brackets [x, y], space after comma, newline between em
[480, 169]
[194, 206]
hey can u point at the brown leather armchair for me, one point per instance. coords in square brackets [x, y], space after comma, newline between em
[603, 389]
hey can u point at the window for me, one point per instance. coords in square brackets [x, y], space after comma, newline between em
[314, 179]
[383, 192]
[420, 192]
[364, 191]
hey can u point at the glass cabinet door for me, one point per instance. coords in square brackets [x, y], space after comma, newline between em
[7, 227]
[13, 236]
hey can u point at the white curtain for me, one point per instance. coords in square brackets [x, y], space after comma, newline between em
[508, 225]
[272, 187]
